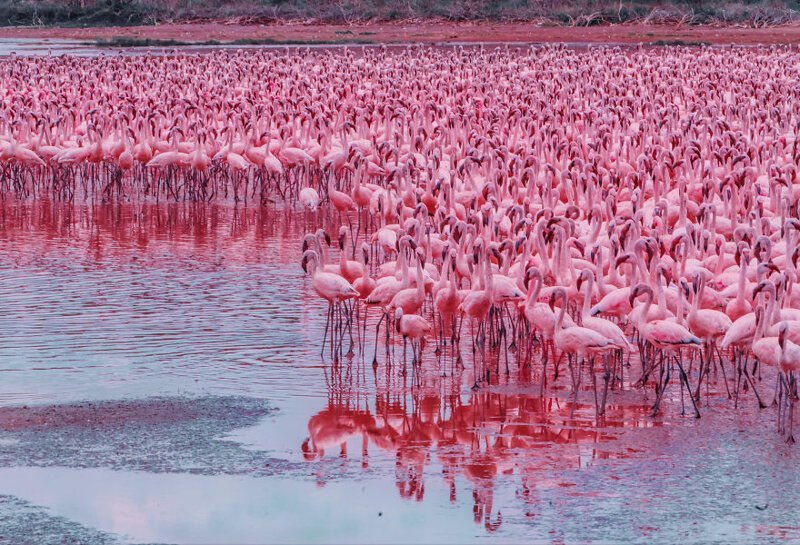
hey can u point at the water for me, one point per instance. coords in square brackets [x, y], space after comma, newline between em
[121, 302]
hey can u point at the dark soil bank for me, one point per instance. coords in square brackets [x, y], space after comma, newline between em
[412, 32]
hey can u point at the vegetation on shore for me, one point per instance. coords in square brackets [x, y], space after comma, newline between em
[130, 41]
[578, 12]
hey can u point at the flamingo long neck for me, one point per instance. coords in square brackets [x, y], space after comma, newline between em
[713, 228]
[477, 281]
[613, 273]
[783, 348]
[343, 253]
[697, 297]
[420, 281]
[587, 300]
[445, 276]
[533, 293]
[769, 315]
[680, 309]
[403, 265]
[720, 261]
[645, 310]
[595, 231]
[561, 312]
[523, 264]
[643, 273]
[779, 298]
[634, 276]
[314, 268]
[568, 261]
[323, 251]
[453, 282]
[542, 248]
[662, 300]
[601, 281]
[682, 208]
[742, 279]
[489, 281]
[684, 256]
[790, 245]
[365, 269]
[507, 261]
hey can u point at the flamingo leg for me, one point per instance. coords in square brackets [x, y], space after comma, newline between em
[722, 366]
[377, 333]
[606, 377]
[664, 376]
[685, 379]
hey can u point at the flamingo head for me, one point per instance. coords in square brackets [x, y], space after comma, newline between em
[496, 253]
[558, 293]
[685, 288]
[697, 282]
[310, 452]
[321, 235]
[595, 253]
[519, 243]
[406, 240]
[420, 257]
[584, 277]
[308, 242]
[742, 251]
[638, 290]
[309, 256]
[665, 272]
[767, 268]
[764, 285]
[782, 329]
[624, 258]
[763, 246]
[532, 272]
[365, 252]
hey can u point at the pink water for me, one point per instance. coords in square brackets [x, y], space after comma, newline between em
[118, 302]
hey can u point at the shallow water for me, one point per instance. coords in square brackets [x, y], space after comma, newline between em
[120, 302]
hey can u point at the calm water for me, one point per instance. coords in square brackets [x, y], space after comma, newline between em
[119, 302]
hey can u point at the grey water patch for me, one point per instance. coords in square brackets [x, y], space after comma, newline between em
[156, 435]
[23, 523]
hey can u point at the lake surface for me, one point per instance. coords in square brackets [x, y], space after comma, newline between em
[121, 303]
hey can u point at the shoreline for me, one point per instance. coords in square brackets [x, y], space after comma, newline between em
[410, 33]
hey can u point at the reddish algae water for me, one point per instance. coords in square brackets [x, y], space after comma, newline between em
[106, 306]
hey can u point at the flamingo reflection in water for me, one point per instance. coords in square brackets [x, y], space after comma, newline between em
[477, 439]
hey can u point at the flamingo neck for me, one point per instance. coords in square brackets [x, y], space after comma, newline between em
[742, 279]
[533, 293]
[561, 312]
[645, 310]
[404, 265]
[587, 300]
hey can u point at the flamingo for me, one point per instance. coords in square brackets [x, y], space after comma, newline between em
[413, 327]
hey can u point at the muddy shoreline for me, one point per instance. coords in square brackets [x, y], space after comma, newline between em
[421, 32]
[154, 435]
[157, 435]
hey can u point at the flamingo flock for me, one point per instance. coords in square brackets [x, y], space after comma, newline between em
[596, 212]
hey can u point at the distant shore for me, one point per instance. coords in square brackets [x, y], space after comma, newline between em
[423, 32]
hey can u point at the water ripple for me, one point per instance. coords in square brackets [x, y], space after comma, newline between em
[86, 313]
